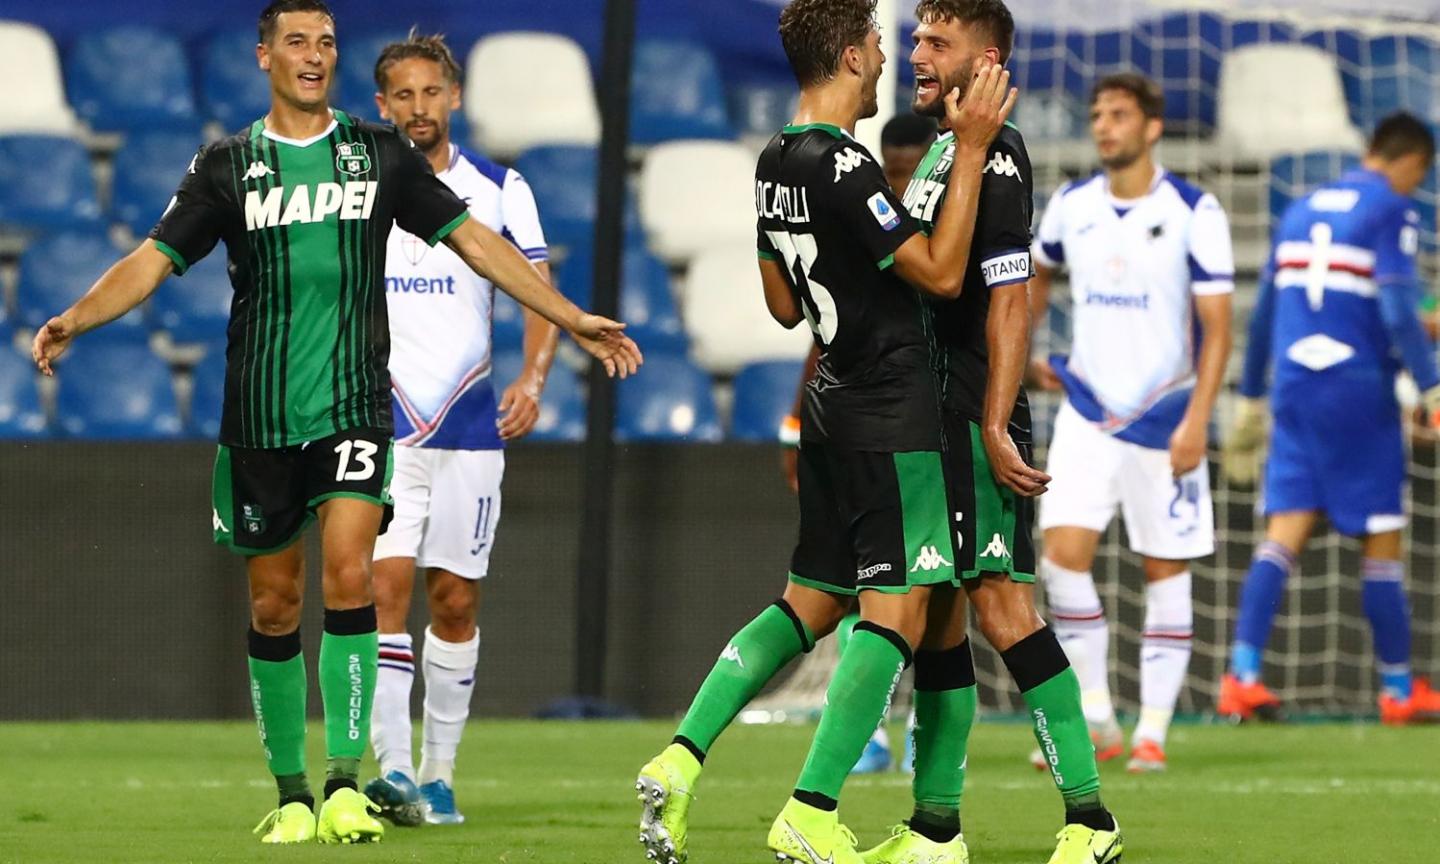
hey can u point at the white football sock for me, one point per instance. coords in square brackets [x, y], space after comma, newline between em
[449, 681]
[1084, 633]
[390, 732]
[1164, 654]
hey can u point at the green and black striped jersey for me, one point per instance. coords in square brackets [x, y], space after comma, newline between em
[305, 225]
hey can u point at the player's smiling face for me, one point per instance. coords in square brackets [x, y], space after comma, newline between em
[1121, 130]
[872, 64]
[418, 99]
[944, 58]
[300, 58]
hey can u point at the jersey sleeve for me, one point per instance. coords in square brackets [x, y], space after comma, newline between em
[1256, 368]
[1049, 245]
[1002, 231]
[522, 218]
[424, 205]
[192, 224]
[1211, 257]
[1397, 244]
[763, 247]
[852, 187]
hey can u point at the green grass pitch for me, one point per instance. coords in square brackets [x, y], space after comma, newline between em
[561, 792]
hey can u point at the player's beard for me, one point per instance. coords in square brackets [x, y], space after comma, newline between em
[427, 142]
[1123, 158]
[870, 97]
[936, 107]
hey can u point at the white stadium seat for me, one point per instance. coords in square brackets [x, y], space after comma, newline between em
[524, 90]
[726, 317]
[27, 54]
[697, 195]
[1283, 98]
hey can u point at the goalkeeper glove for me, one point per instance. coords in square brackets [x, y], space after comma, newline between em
[1245, 449]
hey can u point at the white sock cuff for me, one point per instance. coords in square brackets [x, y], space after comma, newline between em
[451, 655]
[1072, 597]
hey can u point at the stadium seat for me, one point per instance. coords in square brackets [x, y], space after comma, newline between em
[234, 90]
[726, 316]
[647, 305]
[45, 183]
[761, 108]
[1282, 98]
[764, 396]
[21, 413]
[355, 77]
[195, 307]
[1399, 76]
[715, 206]
[670, 400]
[207, 396]
[507, 71]
[562, 407]
[676, 93]
[130, 77]
[148, 169]
[58, 269]
[507, 323]
[1293, 176]
[28, 54]
[564, 180]
[115, 390]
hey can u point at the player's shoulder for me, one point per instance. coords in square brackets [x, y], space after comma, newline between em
[1081, 191]
[1190, 194]
[482, 167]
[1010, 141]
[1008, 159]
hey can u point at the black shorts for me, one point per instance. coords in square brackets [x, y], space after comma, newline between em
[994, 527]
[263, 498]
[871, 520]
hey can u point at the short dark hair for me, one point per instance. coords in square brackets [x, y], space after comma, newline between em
[1146, 92]
[1402, 134]
[908, 130]
[417, 46]
[816, 32]
[993, 15]
[272, 13]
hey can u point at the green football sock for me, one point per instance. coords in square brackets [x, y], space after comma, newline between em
[751, 658]
[1052, 693]
[945, 702]
[349, 658]
[845, 631]
[855, 703]
[278, 690]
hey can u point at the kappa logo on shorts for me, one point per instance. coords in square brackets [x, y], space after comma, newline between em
[872, 571]
[216, 523]
[732, 654]
[929, 559]
[996, 549]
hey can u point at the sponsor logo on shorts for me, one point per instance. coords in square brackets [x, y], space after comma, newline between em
[732, 654]
[929, 560]
[871, 571]
[996, 549]
[254, 518]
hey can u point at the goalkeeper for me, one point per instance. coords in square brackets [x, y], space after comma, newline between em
[1337, 309]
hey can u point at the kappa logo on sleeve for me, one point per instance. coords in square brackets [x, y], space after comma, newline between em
[882, 211]
[848, 160]
[1001, 165]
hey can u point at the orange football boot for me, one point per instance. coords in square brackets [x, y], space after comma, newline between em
[1146, 757]
[1246, 701]
[1423, 706]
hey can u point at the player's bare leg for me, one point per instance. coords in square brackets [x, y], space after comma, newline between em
[450, 655]
[1164, 656]
[391, 735]
[1081, 626]
[1242, 696]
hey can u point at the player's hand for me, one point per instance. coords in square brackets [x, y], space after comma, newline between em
[1009, 468]
[1040, 375]
[976, 117]
[1187, 447]
[51, 341]
[520, 407]
[606, 341]
[1245, 448]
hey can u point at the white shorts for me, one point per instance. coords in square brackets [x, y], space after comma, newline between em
[447, 504]
[1093, 473]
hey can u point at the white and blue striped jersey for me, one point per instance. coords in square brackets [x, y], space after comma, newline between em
[440, 313]
[1135, 268]
[1337, 304]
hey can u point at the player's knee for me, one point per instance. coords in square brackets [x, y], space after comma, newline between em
[347, 584]
[275, 612]
[452, 615]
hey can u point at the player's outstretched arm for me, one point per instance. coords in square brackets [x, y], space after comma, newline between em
[496, 259]
[936, 264]
[1007, 336]
[123, 287]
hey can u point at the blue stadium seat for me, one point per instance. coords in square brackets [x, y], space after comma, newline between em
[195, 307]
[1293, 176]
[208, 395]
[647, 304]
[45, 183]
[21, 414]
[148, 169]
[670, 400]
[130, 78]
[115, 390]
[564, 182]
[562, 407]
[232, 87]
[1398, 76]
[677, 93]
[507, 323]
[764, 396]
[58, 269]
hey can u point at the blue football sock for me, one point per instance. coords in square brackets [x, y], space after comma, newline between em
[1383, 595]
[1259, 601]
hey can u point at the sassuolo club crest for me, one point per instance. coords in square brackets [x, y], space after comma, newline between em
[352, 158]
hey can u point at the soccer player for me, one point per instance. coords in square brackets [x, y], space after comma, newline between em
[838, 250]
[984, 335]
[1337, 313]
[1151, 274]
[450, 432]
[304, 199]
